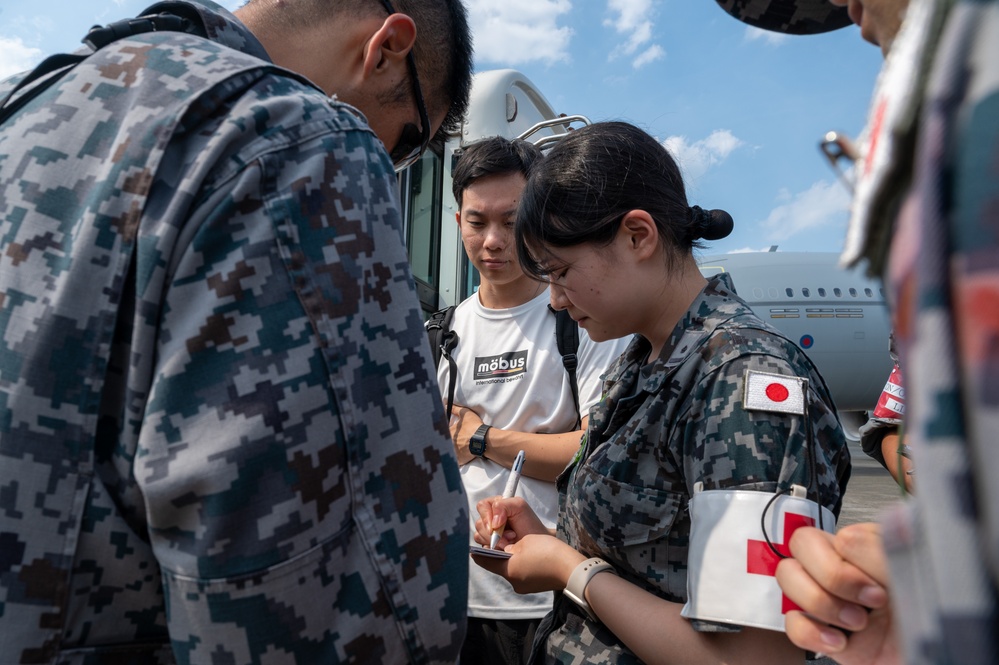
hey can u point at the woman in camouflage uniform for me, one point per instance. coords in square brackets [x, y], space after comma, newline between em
[605, 220]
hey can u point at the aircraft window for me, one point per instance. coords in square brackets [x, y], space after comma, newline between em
[868, 293]
[822, 292]
[837, 292]
[805, 292]
[853, 292]
[789, 292]
[882, 291]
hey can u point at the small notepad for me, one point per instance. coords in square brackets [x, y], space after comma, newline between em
[485, 551]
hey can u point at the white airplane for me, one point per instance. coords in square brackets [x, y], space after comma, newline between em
[837, 317]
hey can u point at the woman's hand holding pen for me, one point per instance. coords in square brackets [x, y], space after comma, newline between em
[540, 561]
[514, 512]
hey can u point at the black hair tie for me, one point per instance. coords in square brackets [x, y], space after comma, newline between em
[710, 224]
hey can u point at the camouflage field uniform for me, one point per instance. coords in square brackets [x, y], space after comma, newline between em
[659, 430]
[221, 437]
[943, 544]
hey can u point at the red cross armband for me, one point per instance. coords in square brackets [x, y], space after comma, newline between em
[737, 538]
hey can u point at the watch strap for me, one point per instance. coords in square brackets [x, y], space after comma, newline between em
[581, 575]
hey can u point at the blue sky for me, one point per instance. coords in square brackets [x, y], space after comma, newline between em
[742, 109]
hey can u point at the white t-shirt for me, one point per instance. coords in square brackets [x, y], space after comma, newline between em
[510, 373]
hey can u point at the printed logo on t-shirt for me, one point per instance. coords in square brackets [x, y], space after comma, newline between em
[504, 366]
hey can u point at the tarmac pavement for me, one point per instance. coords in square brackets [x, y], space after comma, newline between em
[869, 491]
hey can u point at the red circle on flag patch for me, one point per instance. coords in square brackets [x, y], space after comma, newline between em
[776, 392]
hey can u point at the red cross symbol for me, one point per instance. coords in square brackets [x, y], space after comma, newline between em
[761, 560]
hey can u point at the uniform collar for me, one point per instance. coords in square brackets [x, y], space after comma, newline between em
[221, 25]
[714, 305]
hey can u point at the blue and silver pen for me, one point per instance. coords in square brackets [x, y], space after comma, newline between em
[509, 491]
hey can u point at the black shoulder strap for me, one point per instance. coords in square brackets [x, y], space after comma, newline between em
[443, 340]
[567, 339]
[97, 38]
[438, 326]
[442, 343]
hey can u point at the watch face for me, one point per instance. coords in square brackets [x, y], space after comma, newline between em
[477, 444]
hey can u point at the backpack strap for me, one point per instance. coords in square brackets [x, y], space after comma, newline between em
[442, 343]
[567, 339]
[443, 340]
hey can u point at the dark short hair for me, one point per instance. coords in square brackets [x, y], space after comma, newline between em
[442, 51]
[493, 156]
[443, 54]
[582, 189]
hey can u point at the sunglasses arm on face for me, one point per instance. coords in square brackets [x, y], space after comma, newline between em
[412, 142]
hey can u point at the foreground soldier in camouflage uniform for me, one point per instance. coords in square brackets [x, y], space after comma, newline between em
[605, 218]
[928, 200]
[221, 439]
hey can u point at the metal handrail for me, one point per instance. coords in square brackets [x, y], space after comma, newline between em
[565, 121]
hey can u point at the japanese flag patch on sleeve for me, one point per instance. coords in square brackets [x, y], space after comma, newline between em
[774, 392]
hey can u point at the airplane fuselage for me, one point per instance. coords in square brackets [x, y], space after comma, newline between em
[838, 317]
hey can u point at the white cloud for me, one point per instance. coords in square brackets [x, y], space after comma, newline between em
[634, 21]
[513, 32]
[653, 53]
[769, 36]
[16, 56]
[824, 204]
[696, 158]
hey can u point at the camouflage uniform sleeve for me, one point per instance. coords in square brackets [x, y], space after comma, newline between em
[943, 543]
[301, 492]
[727, 447]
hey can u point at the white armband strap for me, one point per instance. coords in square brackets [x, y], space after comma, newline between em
[580, 577]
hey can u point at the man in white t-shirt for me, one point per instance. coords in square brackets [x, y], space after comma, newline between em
[511, 390]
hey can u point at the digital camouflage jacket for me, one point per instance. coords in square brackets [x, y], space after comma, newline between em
[943, 542]
[221, 437]
[664, 426]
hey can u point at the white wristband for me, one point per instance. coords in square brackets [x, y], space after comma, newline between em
[575, 589]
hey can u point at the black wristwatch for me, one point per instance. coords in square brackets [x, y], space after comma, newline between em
[477, 444]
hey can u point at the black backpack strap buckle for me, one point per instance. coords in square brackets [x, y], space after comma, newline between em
[102, 35]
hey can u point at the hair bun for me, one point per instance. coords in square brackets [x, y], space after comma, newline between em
[711, 224]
